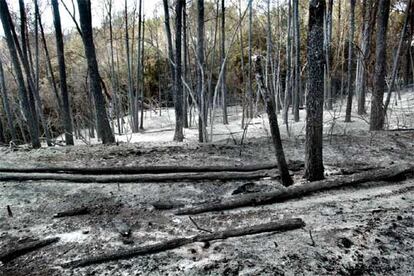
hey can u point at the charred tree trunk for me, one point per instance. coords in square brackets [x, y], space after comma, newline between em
[169, 43]
[369, 13]
[202, 132]
[274, 127]
[397, 56]
[28, 112]
[350, 89]
[62, 72]
[314, 101]
[179, 120]
[103, 126]
[377, 107]
[6, 104]
[249, 75]
[223, 54]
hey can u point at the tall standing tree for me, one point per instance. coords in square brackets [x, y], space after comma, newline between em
[314, 100]
[369, 10]
[114, 78]
[185, 63]
[62, 72]
[202, 132]
[249, 75]
[297, 80]
[103, 126]
[23, 93]
[223, 56]
[377, 106]
[350, 89]
[397, 55]
[169, 42]
[328, 53]
[179, 114]
[25, 54]
[6, 104]
[133, 107]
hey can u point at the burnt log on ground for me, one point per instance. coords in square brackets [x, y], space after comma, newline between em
[297, 191]
[20, 250]
[293, 166]
[276, 226]
[72, 212]
[139, 178]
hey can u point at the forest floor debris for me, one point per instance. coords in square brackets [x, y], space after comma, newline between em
[349, 231]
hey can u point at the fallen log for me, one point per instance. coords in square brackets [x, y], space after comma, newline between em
[277, 226]
[21, 250]
[73, 212]
[293, 166]
[297, 191]
[138, 178]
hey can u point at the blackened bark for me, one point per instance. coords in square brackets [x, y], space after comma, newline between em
[185, 63]
[314, 101]
[202, 132]
[350, 62]
[297, 84]
[274, 127]
[179, 120]
[169, 42]
[6, 104]
[223, 56]
[62, 72]
[369, 12]
[104, 129]
[377, 107]
[28, 112]
[132, 98]
[249, 76]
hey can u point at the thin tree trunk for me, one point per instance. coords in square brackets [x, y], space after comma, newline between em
[62, 72]
[6, 104]
[249, 76]
[297, 81]
[397, 56]
[169, 43]
[138, 96]
[369, 14]
[51, 78]
[30, 116]
[328, 48]
[113, 76]
[350, 90]
[288, 80]
[25, 55]
[185, 64]
[274, 127]
[142, 81]
[223, 52]
[132, 98]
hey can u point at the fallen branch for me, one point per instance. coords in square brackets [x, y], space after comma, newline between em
[297, 191]
[293, 166]
[280, 226]
[137, 178]
[9, 211]
[198, 227]
[71, 213]
[25, 248]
